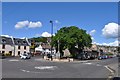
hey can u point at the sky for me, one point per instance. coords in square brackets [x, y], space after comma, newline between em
[32, 19]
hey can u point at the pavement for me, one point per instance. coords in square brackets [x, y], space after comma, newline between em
[37, 67]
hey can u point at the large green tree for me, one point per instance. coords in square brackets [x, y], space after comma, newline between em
[71, 38]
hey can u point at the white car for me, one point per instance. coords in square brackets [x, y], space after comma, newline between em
[25, 56]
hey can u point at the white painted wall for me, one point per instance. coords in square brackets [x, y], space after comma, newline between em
[21, 49]
[7, 48]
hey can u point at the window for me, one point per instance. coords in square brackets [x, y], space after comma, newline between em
[3, 41]
[18, 47]
[24, 51]
[3, 46]
[18, 52]
[25, 47]
[3, 52]
[10, 52]
[18, 42]
[24, 42]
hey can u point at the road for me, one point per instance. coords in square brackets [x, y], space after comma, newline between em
[39, 68]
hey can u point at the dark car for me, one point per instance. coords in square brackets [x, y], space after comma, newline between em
[49, 55]
[118, 55]
[81, 56]
[103, 57]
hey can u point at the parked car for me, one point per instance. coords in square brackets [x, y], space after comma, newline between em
[99, 57]
[110, 55]
[102, 57]
[49, 55]
[118, 55]
[25, 56]
[86, 55]
[82, 56]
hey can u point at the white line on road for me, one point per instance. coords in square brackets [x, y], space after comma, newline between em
[24, 70]
[111, 75]
[108, 69]
[46, 67]
[14, 60]
[88, 63]
[27, 71]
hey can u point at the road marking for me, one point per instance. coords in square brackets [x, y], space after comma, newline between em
[83, 61]
[98, 65]
[109, 69]
[25, 70]
[39, 59]
[13, 60]
[32, 71]
[46, 67]
[111, 75]
[88, 63]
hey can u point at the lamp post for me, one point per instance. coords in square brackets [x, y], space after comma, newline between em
[58, 53]
[51, 35]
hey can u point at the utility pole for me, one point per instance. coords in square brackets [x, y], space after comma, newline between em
[51, 36]
[58, 53]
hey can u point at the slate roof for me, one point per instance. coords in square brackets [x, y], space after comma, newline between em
[31, 40]
[20, 42]
[6, 40]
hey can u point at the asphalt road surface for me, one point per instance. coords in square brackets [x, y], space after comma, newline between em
[39, 68]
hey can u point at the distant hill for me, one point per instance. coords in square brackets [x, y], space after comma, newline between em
[41, 39]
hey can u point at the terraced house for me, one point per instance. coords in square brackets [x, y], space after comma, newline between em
[21, 46]
[13, 46]
[6, 45]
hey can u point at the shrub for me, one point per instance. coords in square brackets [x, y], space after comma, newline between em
[7, 54]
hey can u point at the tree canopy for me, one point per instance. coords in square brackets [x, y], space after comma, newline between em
[40, 39]
[71, 38]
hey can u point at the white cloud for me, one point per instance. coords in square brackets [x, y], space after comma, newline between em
[22, 37]
[96, 43]
[92, 38]
[111, 30]
[53, 34]
[34, 24]
[46, 34]
[28, 24]
[21, 24]
[115, 43]
[92, 32]
[56, 21]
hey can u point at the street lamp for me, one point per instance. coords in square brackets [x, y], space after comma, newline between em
[51, 35]
[58, 53]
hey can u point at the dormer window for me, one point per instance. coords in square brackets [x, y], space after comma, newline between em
[3, 41]
[18, 42]
[24, 42]
[31, 40]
